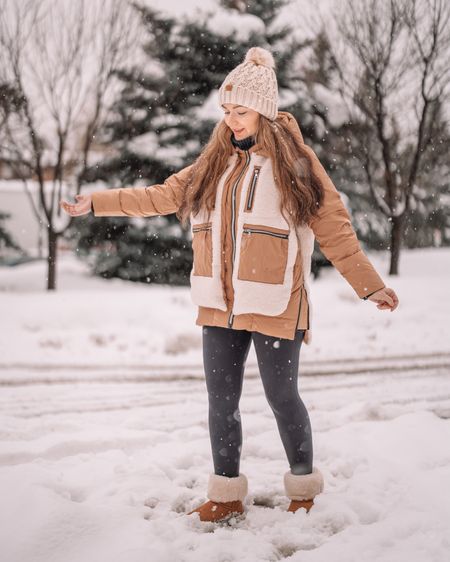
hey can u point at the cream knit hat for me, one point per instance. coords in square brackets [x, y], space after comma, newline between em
[253, 84]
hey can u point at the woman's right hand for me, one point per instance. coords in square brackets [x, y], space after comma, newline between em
[81, 207]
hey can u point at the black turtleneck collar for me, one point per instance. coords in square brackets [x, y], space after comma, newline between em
[243, 144]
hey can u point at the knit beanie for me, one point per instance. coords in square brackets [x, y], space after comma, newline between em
[253, 83]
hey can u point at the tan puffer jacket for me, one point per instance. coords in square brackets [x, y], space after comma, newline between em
[331, 227]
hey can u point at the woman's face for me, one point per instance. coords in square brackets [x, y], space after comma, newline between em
[242, 120]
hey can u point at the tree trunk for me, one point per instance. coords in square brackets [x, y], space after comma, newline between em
[51, 260]
[396, 241]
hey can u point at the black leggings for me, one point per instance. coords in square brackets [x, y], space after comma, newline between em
[225, 351]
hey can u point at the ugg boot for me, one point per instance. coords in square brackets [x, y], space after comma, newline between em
[302, 488]
[226, 496]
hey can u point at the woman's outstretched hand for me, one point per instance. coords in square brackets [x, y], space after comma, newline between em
[81, 207]
[386, 298]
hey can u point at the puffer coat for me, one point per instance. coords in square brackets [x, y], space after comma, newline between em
[331, 227]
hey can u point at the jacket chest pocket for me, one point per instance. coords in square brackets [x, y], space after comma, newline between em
[264, 254]
[252, 189]
[202, 249]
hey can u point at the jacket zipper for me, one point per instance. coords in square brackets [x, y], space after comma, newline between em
[299, 311]
[277, 234]
[252, 188]
[233, 219]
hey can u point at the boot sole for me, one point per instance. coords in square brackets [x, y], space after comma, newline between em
[231, 519]
[228, 520]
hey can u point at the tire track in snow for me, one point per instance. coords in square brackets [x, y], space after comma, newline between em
[168, 367]
[25, 402]
[21, 375]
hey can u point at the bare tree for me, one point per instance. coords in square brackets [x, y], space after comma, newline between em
[393, 64]
[59, 59]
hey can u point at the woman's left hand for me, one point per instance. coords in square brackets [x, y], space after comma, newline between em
[386, 298]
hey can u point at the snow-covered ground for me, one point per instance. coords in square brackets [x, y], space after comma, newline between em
[104, 436]
[93, 322]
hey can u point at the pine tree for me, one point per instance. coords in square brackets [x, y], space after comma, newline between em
[429, 218]
[7, 241]
[164, 105]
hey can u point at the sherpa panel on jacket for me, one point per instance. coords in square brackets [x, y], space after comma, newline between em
[295, 314]
[331, 227]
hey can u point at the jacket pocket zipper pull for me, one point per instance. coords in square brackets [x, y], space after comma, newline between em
[277, 234]
[252, 188]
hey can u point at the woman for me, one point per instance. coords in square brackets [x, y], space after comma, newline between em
[256, 198]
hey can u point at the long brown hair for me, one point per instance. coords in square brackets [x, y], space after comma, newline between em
[300, 188]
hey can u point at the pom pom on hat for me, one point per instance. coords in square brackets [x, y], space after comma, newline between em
[253, 83]
[258, 55]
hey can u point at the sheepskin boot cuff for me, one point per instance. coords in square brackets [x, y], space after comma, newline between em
[303, 486]
[226, 489]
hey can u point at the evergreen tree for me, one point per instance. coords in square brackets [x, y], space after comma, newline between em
[6, 239]
[336, 139]
[429, 218]
[163, 106]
